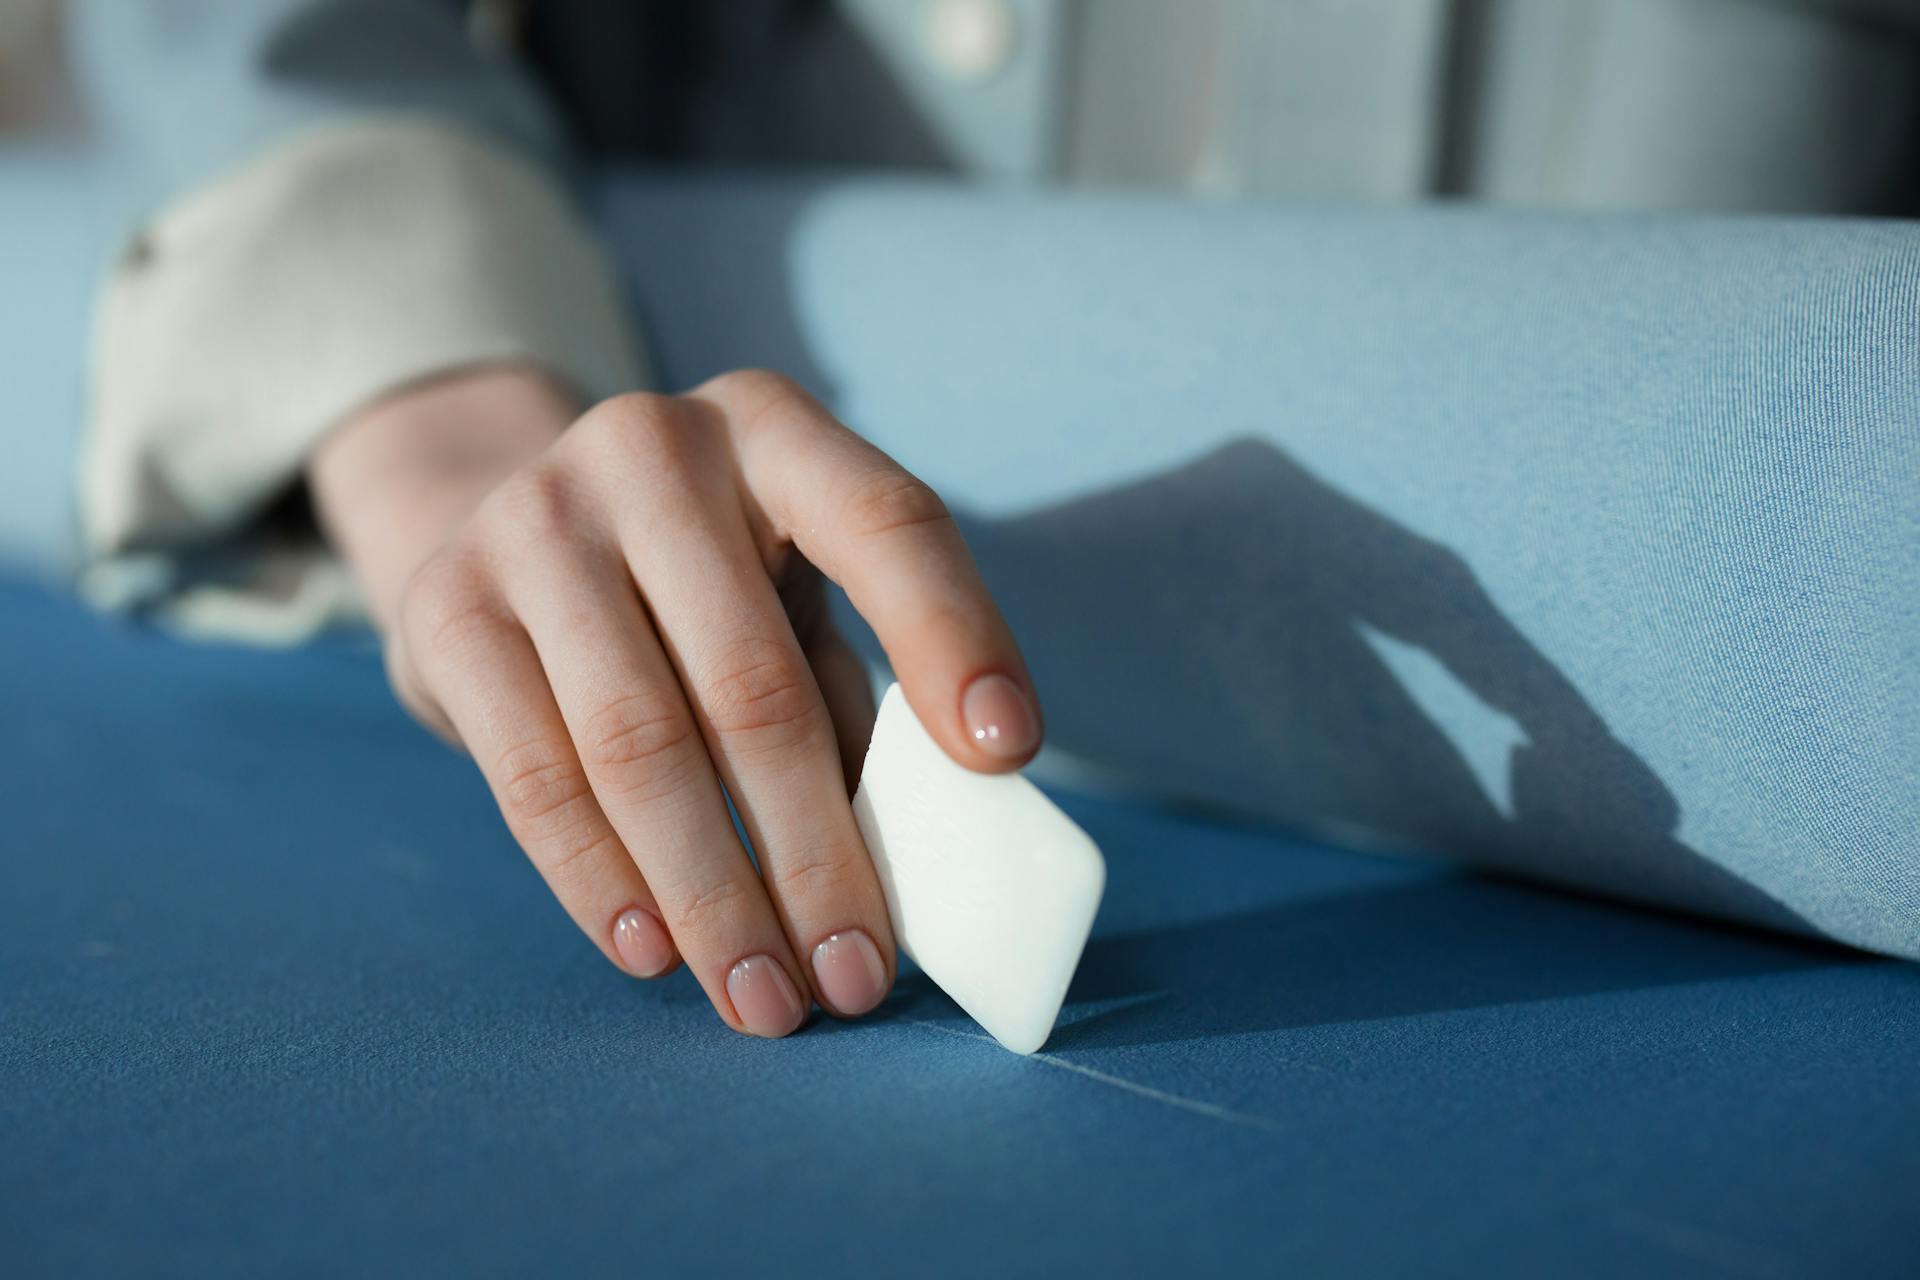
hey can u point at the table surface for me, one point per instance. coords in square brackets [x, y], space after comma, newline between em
[280, 995]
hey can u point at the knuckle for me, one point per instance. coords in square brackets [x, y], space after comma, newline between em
[626, 409]
[641, 426]
[754, 386]
[811, 874]
[541, 785]
[759, 397]
[759, 694]
[892, 500]
[444, 603]
[708, 910]
[540, 502]
[569, 856]
[639, 747]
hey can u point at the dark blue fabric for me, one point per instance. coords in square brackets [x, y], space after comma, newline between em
[280, 995]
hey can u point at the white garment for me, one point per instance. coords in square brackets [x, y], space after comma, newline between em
[412, 248]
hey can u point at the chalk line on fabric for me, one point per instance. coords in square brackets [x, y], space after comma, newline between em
[1210, 1110]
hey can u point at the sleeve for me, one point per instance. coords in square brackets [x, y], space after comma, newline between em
[347, 198]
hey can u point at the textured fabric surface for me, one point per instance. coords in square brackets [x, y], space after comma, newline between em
[1583, 547]
[280, 996]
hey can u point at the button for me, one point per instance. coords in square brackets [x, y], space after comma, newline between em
[971, 40]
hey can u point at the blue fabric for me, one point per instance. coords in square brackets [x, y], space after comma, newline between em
[180, 92]
[281, 996]
[1583, 547]
[60, 217]
[1587, 548]
[1580, 547]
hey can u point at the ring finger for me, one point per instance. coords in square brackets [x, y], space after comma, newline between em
[643, 758]
[488, 684]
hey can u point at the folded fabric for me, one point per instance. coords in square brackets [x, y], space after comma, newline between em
[1583, 547]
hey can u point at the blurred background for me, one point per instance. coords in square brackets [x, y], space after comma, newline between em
[1780, 105]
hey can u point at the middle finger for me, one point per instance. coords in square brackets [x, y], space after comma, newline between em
[644, 760]
[769, 733]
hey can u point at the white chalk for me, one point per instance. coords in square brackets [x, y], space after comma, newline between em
[991, 888]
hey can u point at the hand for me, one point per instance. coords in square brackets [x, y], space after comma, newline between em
[618, 617]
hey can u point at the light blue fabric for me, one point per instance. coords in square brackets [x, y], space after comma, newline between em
[182, 91]
[58, 219]
[1584, 547]
[1580, 547]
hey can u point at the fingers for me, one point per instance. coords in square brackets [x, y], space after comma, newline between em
[838, 668]
[841, 674]
[484, 682]
[848, 693]
[608, 642]
[645, 762]
[762, 719]
[889, 541]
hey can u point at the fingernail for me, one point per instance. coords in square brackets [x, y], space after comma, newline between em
[764, 997]
[642, 943]
[1000, 718]
[851, 975]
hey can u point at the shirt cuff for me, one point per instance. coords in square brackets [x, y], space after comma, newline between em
[251, 317]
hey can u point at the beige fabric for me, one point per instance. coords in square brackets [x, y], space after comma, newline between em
[252, 316]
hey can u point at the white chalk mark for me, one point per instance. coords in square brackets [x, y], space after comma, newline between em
[1086, 1011]
[1207, 1109]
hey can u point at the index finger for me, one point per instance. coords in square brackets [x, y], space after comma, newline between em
[888, 540]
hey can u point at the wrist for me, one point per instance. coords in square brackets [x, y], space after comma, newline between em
[394, 480]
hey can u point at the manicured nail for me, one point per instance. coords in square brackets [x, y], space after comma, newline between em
[764, 997]
[1000, 718]
[849, 972]
[642, 943]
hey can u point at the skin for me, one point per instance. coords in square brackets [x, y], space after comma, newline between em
[618, 613]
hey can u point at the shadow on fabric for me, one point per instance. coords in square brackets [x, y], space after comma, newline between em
[1437, 946]
[1453, 944]
[1239, 632]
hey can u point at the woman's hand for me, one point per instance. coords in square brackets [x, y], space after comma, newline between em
[619, 616]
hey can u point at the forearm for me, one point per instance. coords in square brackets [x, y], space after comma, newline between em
[392, 481]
